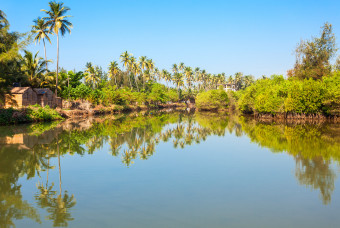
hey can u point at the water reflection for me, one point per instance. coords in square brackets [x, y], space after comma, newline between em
[26, 151]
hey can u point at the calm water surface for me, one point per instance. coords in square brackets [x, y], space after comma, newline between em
[169, 170]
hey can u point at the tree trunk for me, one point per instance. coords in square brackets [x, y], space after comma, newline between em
[136, 83]
[56, 88]
[129, 79]
[45, 53]
[59, 166]
[48, 164]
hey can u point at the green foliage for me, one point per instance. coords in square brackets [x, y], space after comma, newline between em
[313, 55]
[34, 113]
[212, 100]
[158, 94]
[38, 113]
[277, 95]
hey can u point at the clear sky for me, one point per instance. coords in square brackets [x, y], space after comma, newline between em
[253, 37]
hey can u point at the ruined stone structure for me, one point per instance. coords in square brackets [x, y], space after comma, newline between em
[25, 96]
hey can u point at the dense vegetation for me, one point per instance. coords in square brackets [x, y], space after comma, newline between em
[212, 100]
[276, 95]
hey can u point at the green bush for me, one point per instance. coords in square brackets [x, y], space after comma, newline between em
[277, 95]
[33, 113]
[212, 100]
[38, 113]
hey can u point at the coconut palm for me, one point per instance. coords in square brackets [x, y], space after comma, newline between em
[238, 80]
[151, 65]
[166, 76]
[42, 32]
[188, 76]
[174, 68]
[58, 23]
[178, 80]
[248, 80]
[113, 71]
[157, 74]
[125, 59]
[143, 65]
[91, 75]
[134, 68]
[33, 67]
[181, 67]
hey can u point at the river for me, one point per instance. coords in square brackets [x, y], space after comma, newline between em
[170, 169]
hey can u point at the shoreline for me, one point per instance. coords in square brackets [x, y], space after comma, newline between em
[19, 116]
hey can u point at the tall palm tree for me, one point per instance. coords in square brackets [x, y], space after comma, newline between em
[143, 65]
[178, 80]
[248, 80]
[166, 76]
[157, 74]
[125, 59]
[174, 68]
[113, 71]
[58, 23]
[238, 80]
[188, 76]
[181, 66]
[33, 67]
[134, 68]
[41, 31]
[91, 75]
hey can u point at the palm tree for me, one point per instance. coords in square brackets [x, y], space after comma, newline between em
[174, 68]
[57, 22]
[91, 75]
[181, 67]
[248, 80]
[133, 67]
[41, 31]
[188, 76]
[166, 76]
[125, 59]
[34, 67]
[113, 71]
[238, 80]
[178, 80]
[143, 65]
[157, 74]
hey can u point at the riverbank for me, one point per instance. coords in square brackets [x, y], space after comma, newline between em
[33, 114]
[29, 114]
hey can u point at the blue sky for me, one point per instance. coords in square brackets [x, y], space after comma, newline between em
[253, 37]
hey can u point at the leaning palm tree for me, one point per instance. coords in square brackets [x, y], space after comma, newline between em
[42, 32]
[33, 67]
[57, 22]
[113, 71]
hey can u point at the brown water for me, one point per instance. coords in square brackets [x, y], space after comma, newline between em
[169, 170]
